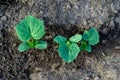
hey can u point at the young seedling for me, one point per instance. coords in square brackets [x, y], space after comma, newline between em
[89, 38]
[30, 30]
[68, 49]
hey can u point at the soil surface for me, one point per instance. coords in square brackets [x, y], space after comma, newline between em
[103, 63]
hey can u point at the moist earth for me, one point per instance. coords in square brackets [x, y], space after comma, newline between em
[102, 64]
[63, 17]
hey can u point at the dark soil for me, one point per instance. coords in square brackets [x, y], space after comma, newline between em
[18, 66]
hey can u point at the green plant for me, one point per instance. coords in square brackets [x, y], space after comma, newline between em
[29, 31]
[89, 38]
[68, 49]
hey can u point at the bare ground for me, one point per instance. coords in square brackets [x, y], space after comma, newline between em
[102, 63]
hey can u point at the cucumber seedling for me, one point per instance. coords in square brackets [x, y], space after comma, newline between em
[30, 30]
[68, 49]
[89, 38]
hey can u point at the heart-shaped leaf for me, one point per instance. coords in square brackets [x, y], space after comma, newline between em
[94, 36]
[30, 26]
[23, 47]
[36, 27]
[91, 36]
[75, 38]
[68, 53]
[41, 45]
[23, 31]
[60, 39]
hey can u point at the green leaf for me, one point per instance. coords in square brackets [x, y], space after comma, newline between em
[30, 26]
[75, 38]
[63, 51]
[94, 36]
[68, 53]
[36, 27]
[41, 45]
[23, 47]
[88, 48]
[83, 45]
[73, 51]
[86, 35]
[32, 44]
[91, 36]
[23, 31]
[60, 39]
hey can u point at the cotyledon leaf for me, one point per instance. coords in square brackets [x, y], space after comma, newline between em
[41, 45]
[60, 39]
[75, 38]
[23, 47]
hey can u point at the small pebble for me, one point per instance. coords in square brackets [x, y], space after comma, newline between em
[103, 53]
[14, 45]
[97, 78]
[117, 47]
[3, 58]
[111, 24]
[104, 41]
[87, 78]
